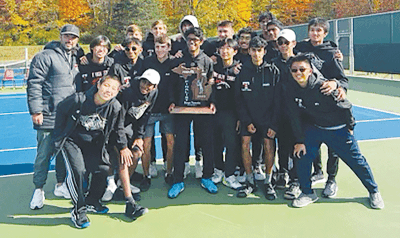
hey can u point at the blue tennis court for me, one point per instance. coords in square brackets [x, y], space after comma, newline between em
[18, 138]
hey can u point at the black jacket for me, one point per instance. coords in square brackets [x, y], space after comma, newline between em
[224, 86]
[71, 110]
[324, 60]
[308, 106]
[124, 70]
[166, 81]
[51, 79]
[257, 95]
[148, 46]
[90, 73]
[136, 109]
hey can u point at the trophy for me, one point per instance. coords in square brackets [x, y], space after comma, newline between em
[198, 90]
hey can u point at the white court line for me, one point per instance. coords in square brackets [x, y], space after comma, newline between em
[379, 110]
[381, 139]
[8, 97]
[17, 149]
[385, 119]
[12, 113]
[15, 175]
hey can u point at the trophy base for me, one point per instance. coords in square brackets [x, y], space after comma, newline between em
[191, 110]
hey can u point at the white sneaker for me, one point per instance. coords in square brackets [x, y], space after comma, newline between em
[153, 170]
[241, 178]
[187, 170]
[62, 191]
[305, 199]
[217, 176]
[110, 190]
[259, 173]
[376, 200]
[37, 199]
[231, 182]
[198, 170]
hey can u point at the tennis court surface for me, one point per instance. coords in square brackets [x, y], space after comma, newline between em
[195, 213]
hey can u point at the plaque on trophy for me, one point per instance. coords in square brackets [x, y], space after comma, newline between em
[196, 93]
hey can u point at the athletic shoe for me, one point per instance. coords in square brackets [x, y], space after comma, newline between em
[317, 178]
[134, 189]
[259, 173]
[270, 193]
[186, 172]
[376, 200]
[198, 170]
[153, 170]
[305, 199]
[62, 191]
[209, 185]
[330, 190]
[145, 184]
[217, 176]
[231, 182]
[246, 190]
[293, 191]
[96, 207]
[282, 181]
[79, 218]
[137, 177]
[176, 189]
[110, 190]
[37, 199]
[169, 179]
[241, 178]
[133, 210]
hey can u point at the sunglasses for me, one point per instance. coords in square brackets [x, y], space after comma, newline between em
[133, 48]
[301, 70]
[283, 42]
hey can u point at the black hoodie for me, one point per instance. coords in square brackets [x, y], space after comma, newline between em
[257, 95]
[325, 61]
[224, 87]
[136, 109]
[90, 73]
[308, 106]
[78, 112]
[125, 70]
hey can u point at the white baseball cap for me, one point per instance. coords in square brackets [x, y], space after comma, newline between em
[151, 75]
[288, 34]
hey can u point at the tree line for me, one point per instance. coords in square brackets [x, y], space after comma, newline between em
[35, 22]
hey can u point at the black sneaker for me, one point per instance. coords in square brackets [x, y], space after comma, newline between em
[270, 193]
[246, 190]
[169, 179]
[79, 218]
[133, 210]
[96, 207]
[145, 184]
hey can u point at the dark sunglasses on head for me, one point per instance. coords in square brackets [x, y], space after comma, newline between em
[133, 48]
[283, 42]
[301, 70]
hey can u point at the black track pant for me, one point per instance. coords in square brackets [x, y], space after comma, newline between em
[81, 158]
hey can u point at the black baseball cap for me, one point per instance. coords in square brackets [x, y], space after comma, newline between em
[70, 29]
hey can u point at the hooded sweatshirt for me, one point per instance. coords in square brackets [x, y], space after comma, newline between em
[325, 61]
[308, 106]
[51, 79]
[257, 95]
[180, 42]
[90, 73]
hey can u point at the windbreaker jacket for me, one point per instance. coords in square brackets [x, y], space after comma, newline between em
[80, 103]
[308, 106]
[51, 79]
[257, 95]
